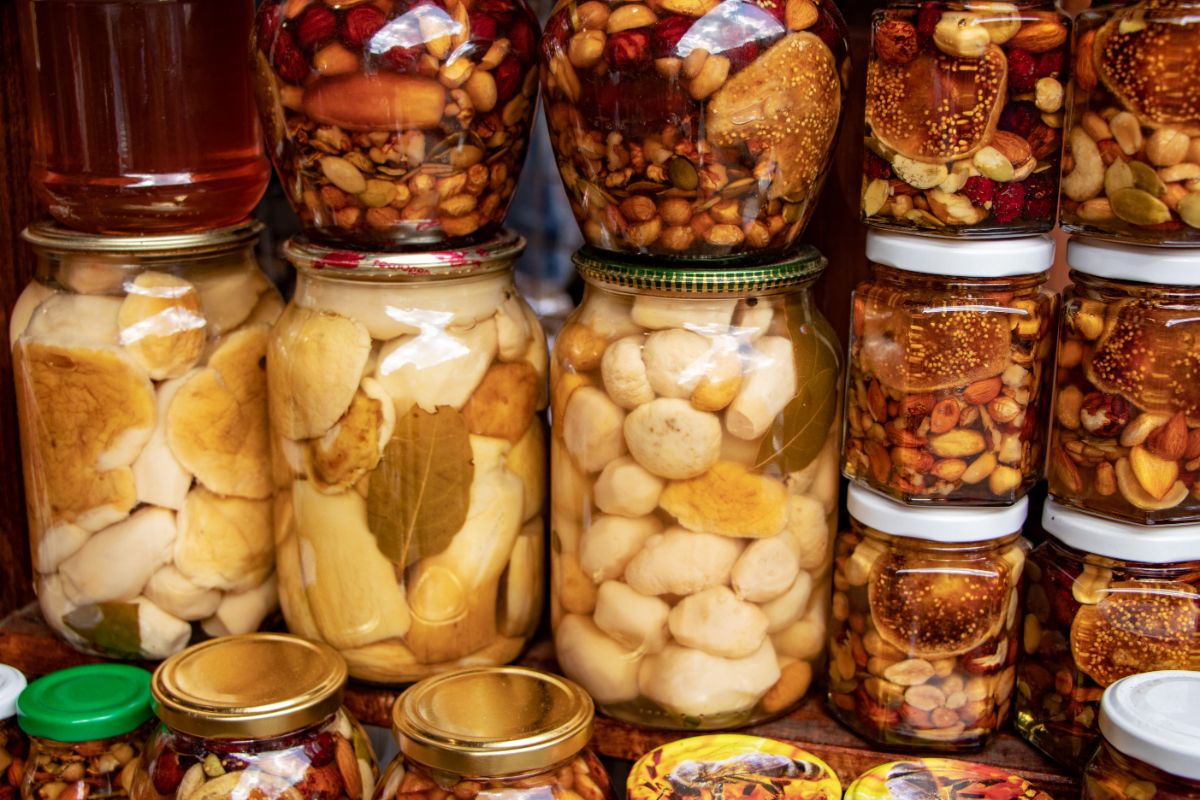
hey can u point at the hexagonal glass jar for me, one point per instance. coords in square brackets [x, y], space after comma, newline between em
[14, 744]
[694, 128]
[694, 474]
[1103, 600]
[1124, 441]
[396, 124]
[964, 117]
[924, 633]
[1131, 171]
[949, 380]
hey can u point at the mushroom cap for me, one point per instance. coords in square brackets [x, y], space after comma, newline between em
[937, 108]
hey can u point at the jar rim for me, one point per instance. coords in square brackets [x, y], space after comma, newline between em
[1125, 541]
[494, 255]
[942, 524]
[1166, 266]
[710, 278]
[50, 236]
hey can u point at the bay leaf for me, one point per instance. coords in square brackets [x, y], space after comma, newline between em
[111, 627]
[420, 491]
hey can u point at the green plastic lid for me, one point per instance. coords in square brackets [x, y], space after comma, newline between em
[86, 703]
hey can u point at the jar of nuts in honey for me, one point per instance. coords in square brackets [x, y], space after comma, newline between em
[1151, 746]
[1103, 600]
[923, 632]
[14, 745]
[948, 390]
[492, 732]
[1125, 434]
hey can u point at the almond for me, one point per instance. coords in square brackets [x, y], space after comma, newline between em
[1156, 475]
[1193, 446]
[879, 460]
[1014, 147]
[876, 402]
[1041, 35]
[918, 405]
[912, 458]
[1169, 442]
[982, 392]
[1070, 482]
[958, 444]
[944, 416]
[1085, 66]
[901, 436]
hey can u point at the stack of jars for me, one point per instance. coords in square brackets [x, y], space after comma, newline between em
[138, 347]
[694, 392]
[948, 389]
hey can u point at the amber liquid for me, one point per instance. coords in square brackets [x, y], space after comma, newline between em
[143, 113]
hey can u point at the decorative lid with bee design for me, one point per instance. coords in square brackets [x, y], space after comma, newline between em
[732, 765]
[941, 779]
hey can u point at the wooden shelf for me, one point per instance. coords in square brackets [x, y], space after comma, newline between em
[28, 644]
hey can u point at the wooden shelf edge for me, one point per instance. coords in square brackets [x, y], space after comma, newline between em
[29, 645]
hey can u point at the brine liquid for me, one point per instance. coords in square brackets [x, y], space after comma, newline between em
[143, 113]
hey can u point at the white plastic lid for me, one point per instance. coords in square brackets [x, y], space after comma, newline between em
[963, 258]
[12, 683]
[1155, 717]
[947, 524]
[1172, 266]
[1149, 544]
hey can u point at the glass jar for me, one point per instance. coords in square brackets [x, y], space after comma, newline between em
[1123, 437]
[491, 732]
[694, 471]
[1103, 600]
[899, 780]
[255, 714]
[397, 124]
[949, 385]
[87, 727]
[694, 128]
[141, 400]
[106, 78]
[731, 765]
[1131, 169]
[924, 638]
[14, 744]
[964, 117]
[405, 400]
[1151, 745]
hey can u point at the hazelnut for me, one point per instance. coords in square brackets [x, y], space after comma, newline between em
[1104, 415]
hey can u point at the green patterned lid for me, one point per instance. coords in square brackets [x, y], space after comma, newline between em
[720, 279]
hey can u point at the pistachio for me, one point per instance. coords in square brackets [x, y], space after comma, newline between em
[1189, 210]
[682, 173]
[993, 164]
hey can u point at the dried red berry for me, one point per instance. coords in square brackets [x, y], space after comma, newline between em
[403, 59]
[740, 57]
[1022, 70]
[665, 35]
[875, 167]
[1050, 65]
[1008, 202]
[1039, 186]
[361, 23]
[1019, 118]
[167, 772]
[289, 62]
[508, 79]
[320, 749]
[927, 20]
[523, 37]
[483, 27]
[627, 50]
[270, 20]
[980, 190]
[315, 26]
[1041, 208]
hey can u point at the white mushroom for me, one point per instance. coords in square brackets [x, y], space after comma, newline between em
[672, 439]
[787, 608]
[160, 634]
[92, 274]
[229, 295]
[803, 639]
[608, 316]
[26, 304]
[437, 367]
[625, 487]
[606, 669]
[826, 473]
[766, 569]
[768, 386]
[171, 590]
[635, 620]
[751, 322]
[116, 563]
[592, 428]
[512, 329]
[678, 561]
[75, 320]
[55, 606]
[660, 313]
[718, 623]
[611, 541]
[243, 612]
[624, 373]
[696, 684]
[158, 476]
[676, 361]
[810, 528]
[55, 544]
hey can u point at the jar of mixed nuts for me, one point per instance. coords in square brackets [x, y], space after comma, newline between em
[1132, 167]
[950, 350]
[694, 128]
[964, 116]
[694, 464]
[1151, 745]
[1125, 433]
[14, 744]
[257, 714]
[930, 777]
[924, 638]
[1103, 600]
[397, 124]
[494, 732]
[405, 401]
[87, 726]
[731, 765]
[141, 395]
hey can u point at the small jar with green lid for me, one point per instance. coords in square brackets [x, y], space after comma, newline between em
[14, 744]
[250, 714]
[492, 732]
[695, 481]
[87, 727]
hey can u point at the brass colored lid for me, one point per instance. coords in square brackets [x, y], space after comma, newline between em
[252, 686]
[53, 237]
[492, 721]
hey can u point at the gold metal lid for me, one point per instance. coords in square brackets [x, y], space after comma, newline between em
[491, 721]
[53, 237]
[252, 686]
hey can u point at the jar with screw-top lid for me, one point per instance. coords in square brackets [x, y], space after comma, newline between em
[14, 744]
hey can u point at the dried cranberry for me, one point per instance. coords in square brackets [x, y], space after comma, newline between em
[270, 20]
[665, 35]
[980, 190]
[167, 772]
[508, 79]
[403, 59]
[523, 38]
[1022, 70]
[741, 57]
[316, 26]
[627, 50]
[1041, 208]
[830, 28]
[1040, 186]
[483, 27]
[1008, 202]
[875, 167]
[361, 23]
[1019, 118]
[320, 749]
[1050, 65]
[289, 62]
[927, 20]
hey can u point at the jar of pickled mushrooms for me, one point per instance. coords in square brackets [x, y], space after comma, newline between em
[406, 393]
[1103, 600]
[87, 728]
[923, 643]
[257, 714]
[1151, 746]
[1125, 433]
[14, 744]
[489, 732]
[941, 777]
[141, 395]
[950, 353]
[694, 462]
